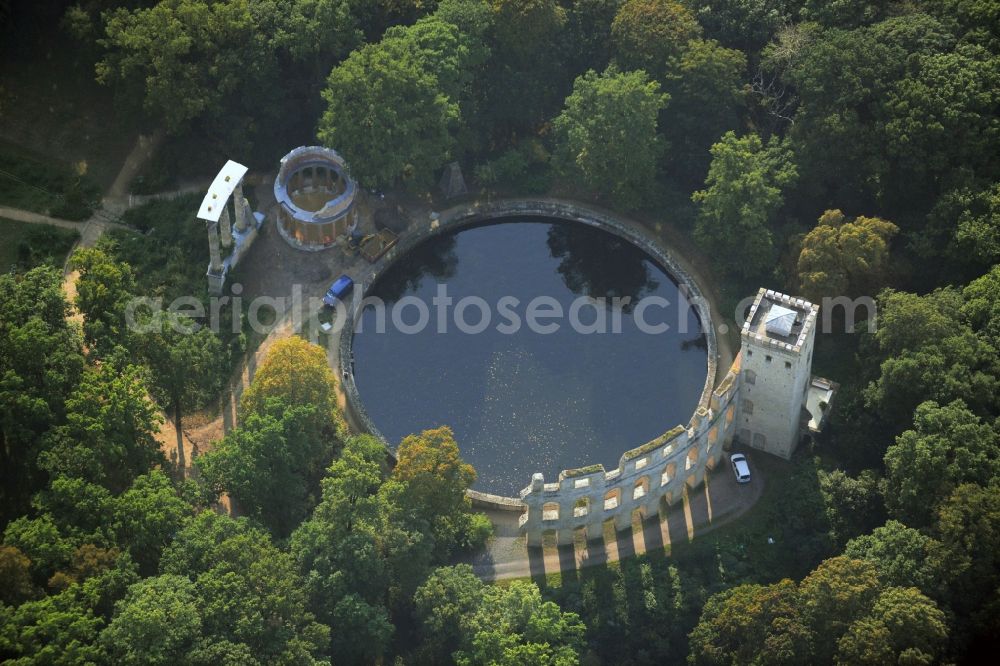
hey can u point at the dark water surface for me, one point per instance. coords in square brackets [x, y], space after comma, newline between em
[530, 402]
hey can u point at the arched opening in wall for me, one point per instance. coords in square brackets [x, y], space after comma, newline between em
[580, 535]
[691, 481]
[712, 462]
[668, 498]
[692, 458]
[550, 538]
[612, 499]
[523, 518]
[638, 517]
[641, 488]
[550, 511]
[668, 474]
[608, 530]
[713, 434]
[581, 507]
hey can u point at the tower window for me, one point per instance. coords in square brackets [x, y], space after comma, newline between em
[768, 358]
[788, 364]
[747, 407]
[750, 376]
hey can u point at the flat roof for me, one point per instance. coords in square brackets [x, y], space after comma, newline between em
[220, 190]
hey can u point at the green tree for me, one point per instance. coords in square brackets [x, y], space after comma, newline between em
[352, 552]
[146, 517]
[904, 627]
[249, 591]
[15, 571]
[975, 20]
[271, 465]
[947, 446]
[364, 631]
[61, 630]
[751, 624]
[40, 363]
[969, 529]
[837, 592]
[188, 60]
[968, 218]
[743, 24]
[607, 136]
[845, 13]
[339, 546]
[908, 322]
[854, 505]
[706, 89]
[524, 35]
[317, 32]
[78, 508]
[109, 434]
[446, 600]
[158, 622]
[844, 258]
[102, 294]
[588, 33]
[943, 116]
[843, 79]
[651, 35]
[63, 627]
[40, 540]
[743, 192]
[186, 368]
[903, 556]
[982, 306]
[87, 562]
[392, 107]
[523, 25]
[434, 479]
[927, 350]
[295, 372]
[513, 625]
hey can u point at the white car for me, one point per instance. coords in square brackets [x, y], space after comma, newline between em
[740, 467]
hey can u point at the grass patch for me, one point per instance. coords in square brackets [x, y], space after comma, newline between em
[52, 102]
[24, 246]
[170, 256]
[30, 182]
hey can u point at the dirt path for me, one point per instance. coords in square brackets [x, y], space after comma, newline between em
[141, 153]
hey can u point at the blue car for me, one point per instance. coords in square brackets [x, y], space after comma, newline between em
[338, 290]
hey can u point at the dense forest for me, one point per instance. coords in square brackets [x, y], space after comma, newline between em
[823, 147]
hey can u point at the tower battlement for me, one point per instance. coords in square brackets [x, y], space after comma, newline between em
[776, 369]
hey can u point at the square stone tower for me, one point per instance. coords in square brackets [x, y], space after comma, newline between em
[775, 372]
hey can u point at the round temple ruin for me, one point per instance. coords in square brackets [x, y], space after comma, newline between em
[315, 197]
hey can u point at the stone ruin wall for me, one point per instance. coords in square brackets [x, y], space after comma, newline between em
[654, 473]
